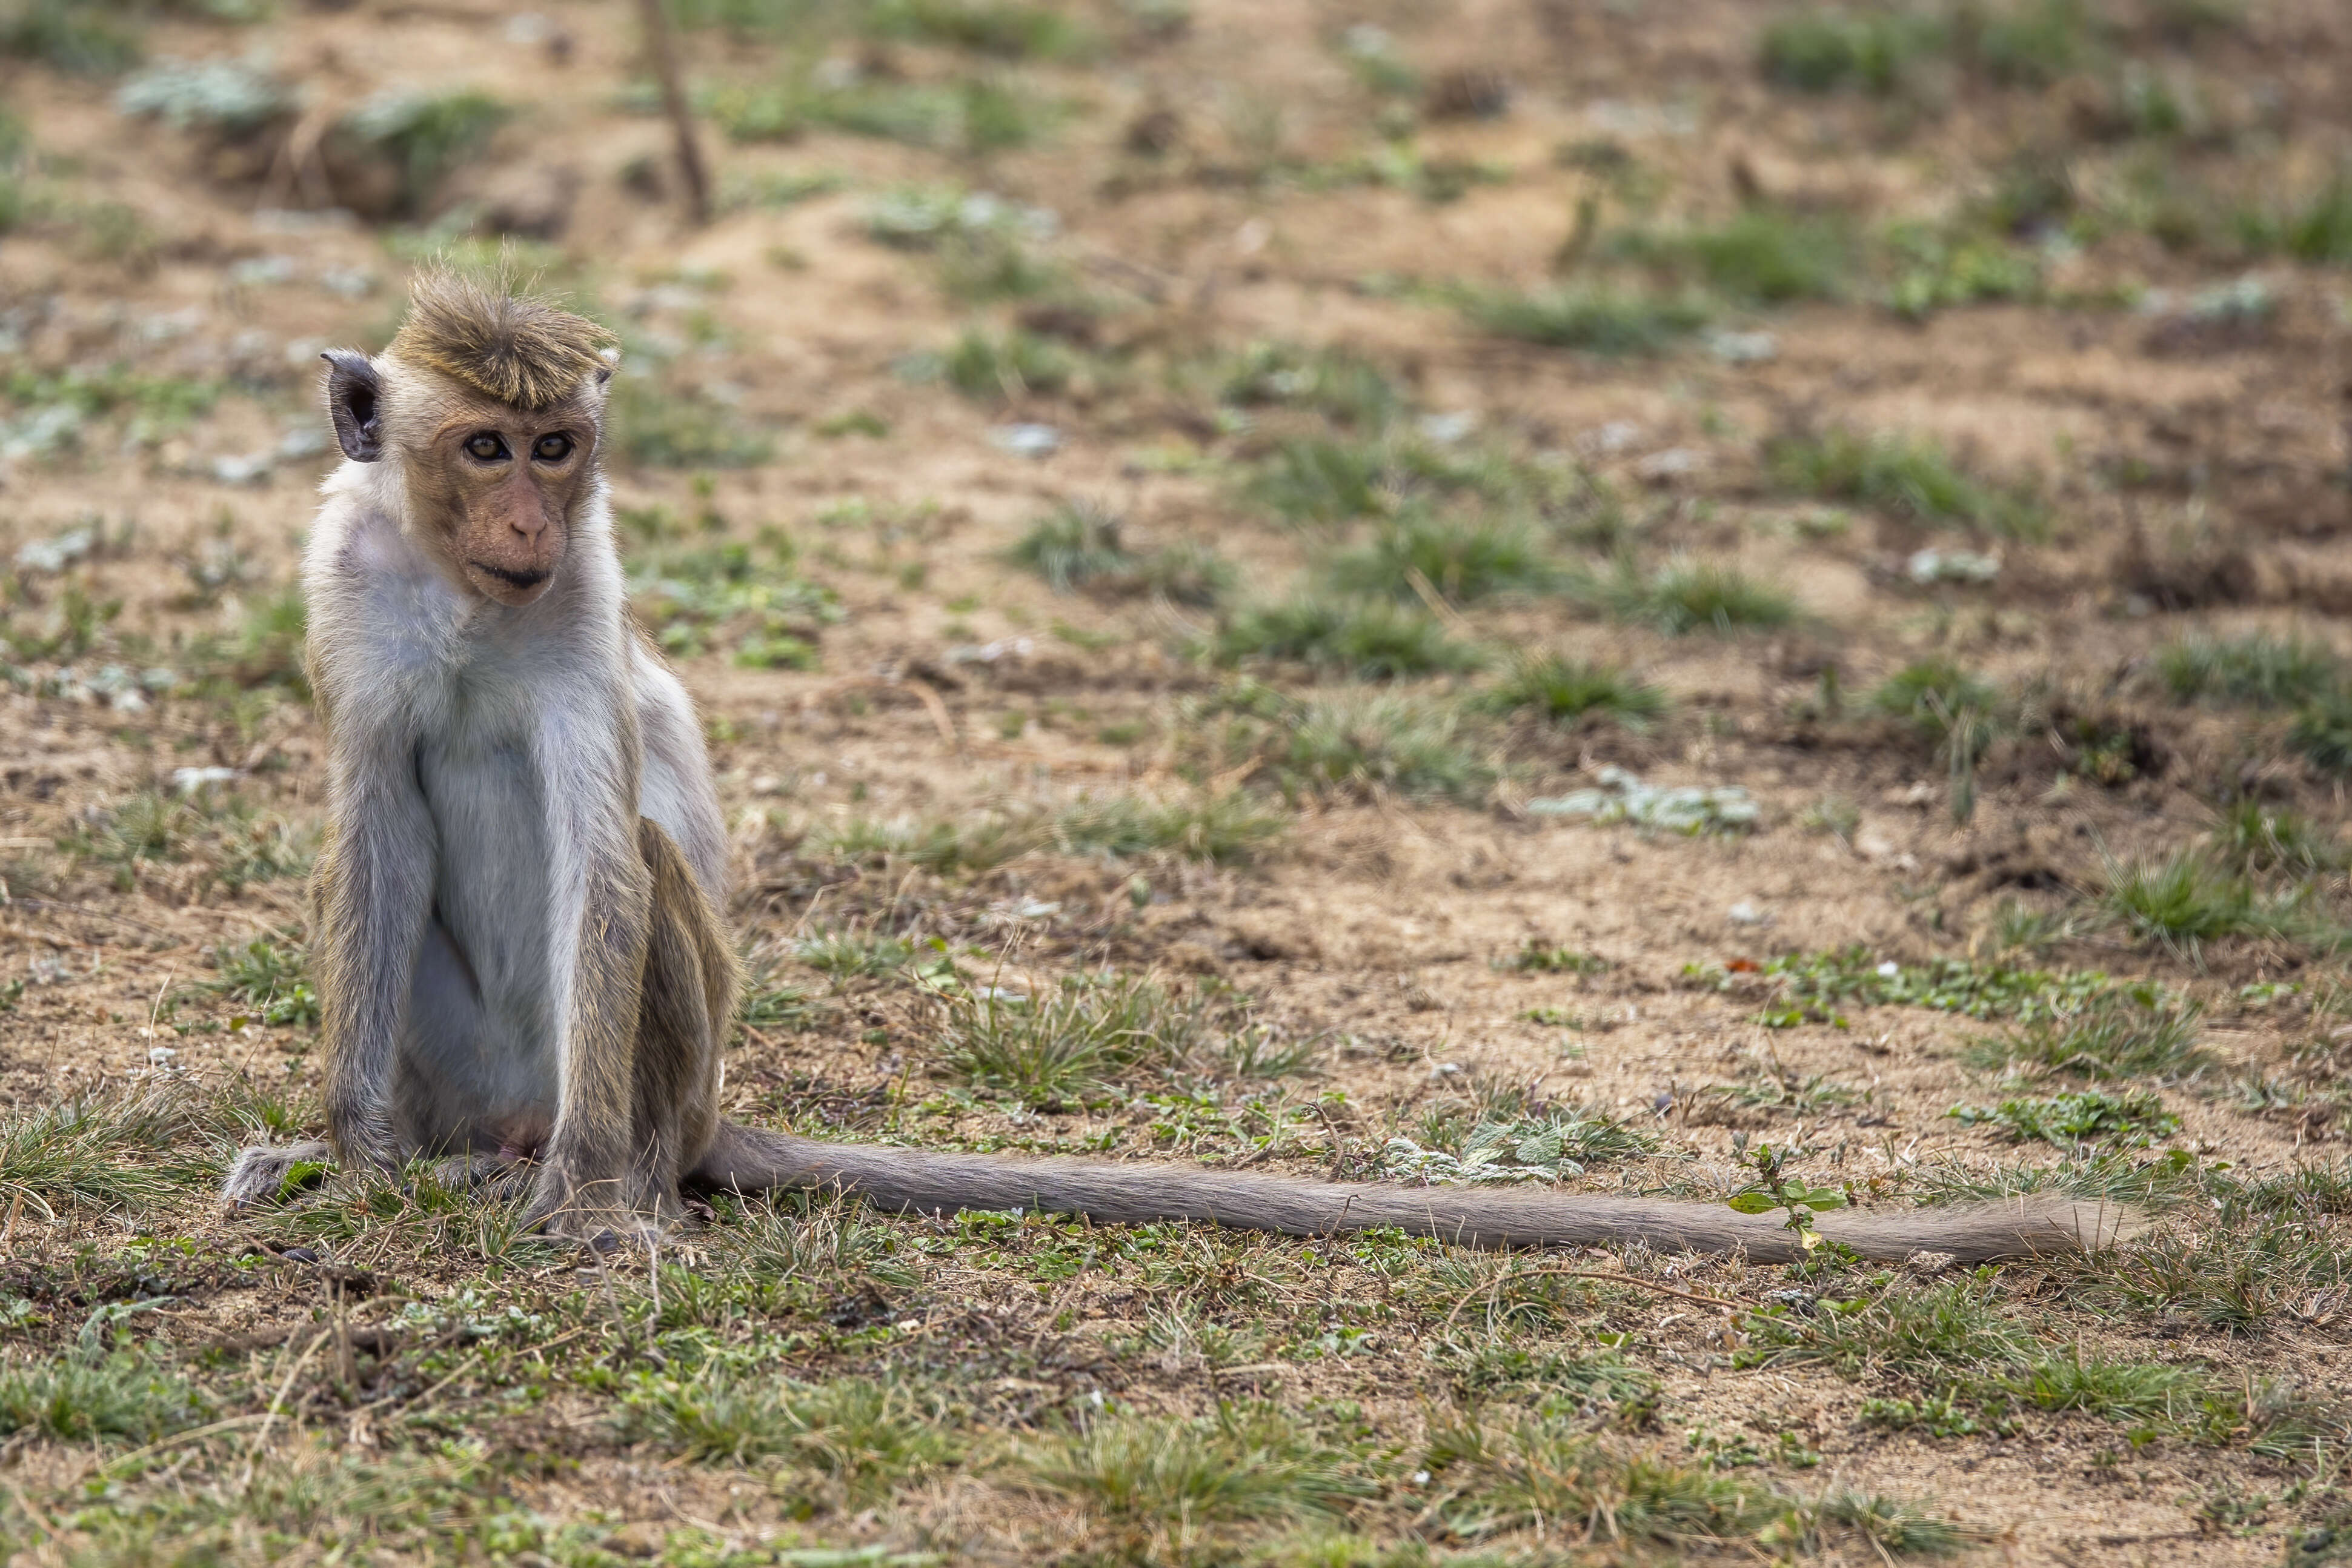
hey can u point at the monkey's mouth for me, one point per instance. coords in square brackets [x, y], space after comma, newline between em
[512, 579]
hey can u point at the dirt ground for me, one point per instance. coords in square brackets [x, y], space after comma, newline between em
[1208, 246]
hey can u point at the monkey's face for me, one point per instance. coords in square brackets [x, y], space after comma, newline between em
[510, 481]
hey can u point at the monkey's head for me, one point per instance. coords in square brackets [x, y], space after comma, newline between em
[493, 403]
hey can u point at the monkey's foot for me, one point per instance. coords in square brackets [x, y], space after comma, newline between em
[273, 1172]
[493, 1177]
[587, 1212]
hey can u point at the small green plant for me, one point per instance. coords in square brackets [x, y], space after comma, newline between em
[2092, 1116]
[1600, 319]
[1369, 639]
[1940, 700]
[1004, 28]
[1689, 596]
[1775, 1188]
[1569, 691]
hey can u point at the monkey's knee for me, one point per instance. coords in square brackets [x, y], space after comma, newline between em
[272, 1173]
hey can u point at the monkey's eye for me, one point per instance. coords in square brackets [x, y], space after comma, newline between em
[485, 446]
[553, 448]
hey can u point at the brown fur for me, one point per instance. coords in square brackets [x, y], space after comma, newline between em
[513, 349]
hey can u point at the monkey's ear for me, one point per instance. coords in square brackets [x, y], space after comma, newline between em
[611, 358]
[355, 403]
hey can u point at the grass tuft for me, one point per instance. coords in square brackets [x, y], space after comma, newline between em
[1368, 639]
[1360, 744]
[1074, 1039]
[2113, 1034]
[1245, 1465]
[1566, 692]
[2257, 671]
[1912, 478]
[870, 1435]
[122, 1396]
[1464, 560]
[1686, 595]
[109, 1149]
[1600, 319]
[1084, 547]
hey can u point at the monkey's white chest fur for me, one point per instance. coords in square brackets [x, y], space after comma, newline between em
[503, 752]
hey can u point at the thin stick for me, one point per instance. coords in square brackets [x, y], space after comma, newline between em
[1731, 1308]
[662, 49]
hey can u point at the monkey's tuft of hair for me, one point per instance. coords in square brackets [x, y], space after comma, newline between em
[524, 352]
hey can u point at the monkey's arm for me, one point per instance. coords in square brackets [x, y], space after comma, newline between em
[372, 893]
[593, 1178]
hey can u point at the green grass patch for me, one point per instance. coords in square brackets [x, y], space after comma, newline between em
[2133, 1119]
[1464, 559]
[119, 1149]
[655, 426]
[2189, 898]
[1360, 744]
[1910, 478]
[1763, 256]
[1004, 29]
[2113, 1034]
[2321, 733]
[1366, 639]
[1936, 696]
[1316, 479]
[1568, 692]
[1598, 319]
[869, 1434]
[1008, 367]
[2250, 839]
[1688, 595]
[273, 978]
[1343, 387]
[1820, 985]
[1076, 1039]
[1084, 547]
[1834, 49]
[1228, 829]
[121, 1397]
[1246, 1464]
[2256, 671]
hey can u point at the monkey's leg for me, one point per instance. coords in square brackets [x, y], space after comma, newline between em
[259, 1173]
[684, 1009]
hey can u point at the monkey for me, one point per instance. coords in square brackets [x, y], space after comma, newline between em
[517, 936]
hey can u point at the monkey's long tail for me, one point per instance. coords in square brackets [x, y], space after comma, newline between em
[748, 1159]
